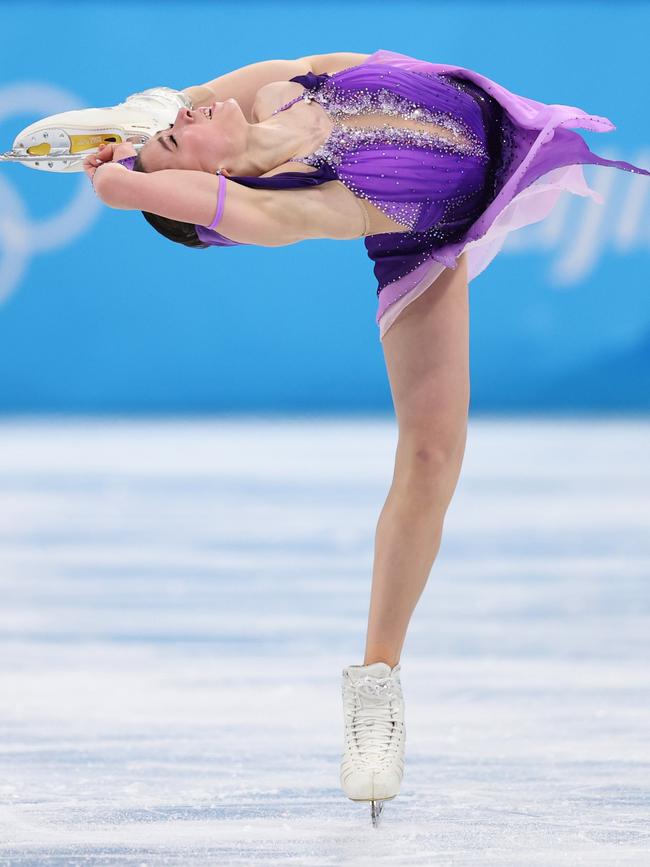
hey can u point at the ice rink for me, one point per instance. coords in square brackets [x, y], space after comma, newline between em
[179, 598]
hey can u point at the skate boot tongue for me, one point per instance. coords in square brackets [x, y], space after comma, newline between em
[375, 669]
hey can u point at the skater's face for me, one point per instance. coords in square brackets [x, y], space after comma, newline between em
[202, 139]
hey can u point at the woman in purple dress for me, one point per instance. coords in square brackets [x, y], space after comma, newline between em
[433, 165]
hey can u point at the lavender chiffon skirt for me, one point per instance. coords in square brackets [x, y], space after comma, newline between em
[541, 158]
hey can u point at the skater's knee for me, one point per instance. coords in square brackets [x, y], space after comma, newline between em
[427, 457]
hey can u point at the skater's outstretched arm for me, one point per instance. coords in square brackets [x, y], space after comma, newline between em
[244, 83]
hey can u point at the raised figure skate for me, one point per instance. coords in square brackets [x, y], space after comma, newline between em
[61, 142]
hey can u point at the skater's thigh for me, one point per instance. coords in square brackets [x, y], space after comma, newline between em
[427, 358]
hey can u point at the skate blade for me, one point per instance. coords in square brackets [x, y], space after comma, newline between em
[376, 809]
[368, 800]
[58, 163]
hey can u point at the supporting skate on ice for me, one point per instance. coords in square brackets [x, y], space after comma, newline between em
[372, 764]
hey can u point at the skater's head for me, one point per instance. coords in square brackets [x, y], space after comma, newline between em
[203, 139]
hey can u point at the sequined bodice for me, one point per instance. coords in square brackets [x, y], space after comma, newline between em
[365, 119]
[343, 105]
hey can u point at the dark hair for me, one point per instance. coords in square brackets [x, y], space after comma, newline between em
[175, 230]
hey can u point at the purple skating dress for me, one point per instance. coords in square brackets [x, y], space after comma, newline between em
[502, 165]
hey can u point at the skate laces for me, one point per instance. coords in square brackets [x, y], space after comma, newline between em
[373, 725]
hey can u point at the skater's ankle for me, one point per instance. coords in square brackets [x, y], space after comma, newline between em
[389, 660]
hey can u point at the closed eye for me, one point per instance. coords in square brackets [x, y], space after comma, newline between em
[165, 141]
[171, 136]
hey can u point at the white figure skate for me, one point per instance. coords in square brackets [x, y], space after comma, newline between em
[372, 765]
[61, 142]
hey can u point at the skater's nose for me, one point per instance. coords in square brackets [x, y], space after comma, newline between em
[184, 116]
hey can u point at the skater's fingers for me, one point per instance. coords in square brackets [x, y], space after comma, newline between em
[108, 152]
[123, 150]
[105, 153]
[90, 165]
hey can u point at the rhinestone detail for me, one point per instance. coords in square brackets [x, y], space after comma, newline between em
[343, 103]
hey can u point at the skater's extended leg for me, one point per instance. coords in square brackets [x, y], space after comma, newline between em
[427, 359]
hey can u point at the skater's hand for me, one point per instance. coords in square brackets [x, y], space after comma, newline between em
[105, 154]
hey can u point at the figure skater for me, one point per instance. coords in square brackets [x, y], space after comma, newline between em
[433, 165]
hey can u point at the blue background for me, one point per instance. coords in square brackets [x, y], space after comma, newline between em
[117, 319]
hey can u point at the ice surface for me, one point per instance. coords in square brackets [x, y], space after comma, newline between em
[179, 598]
